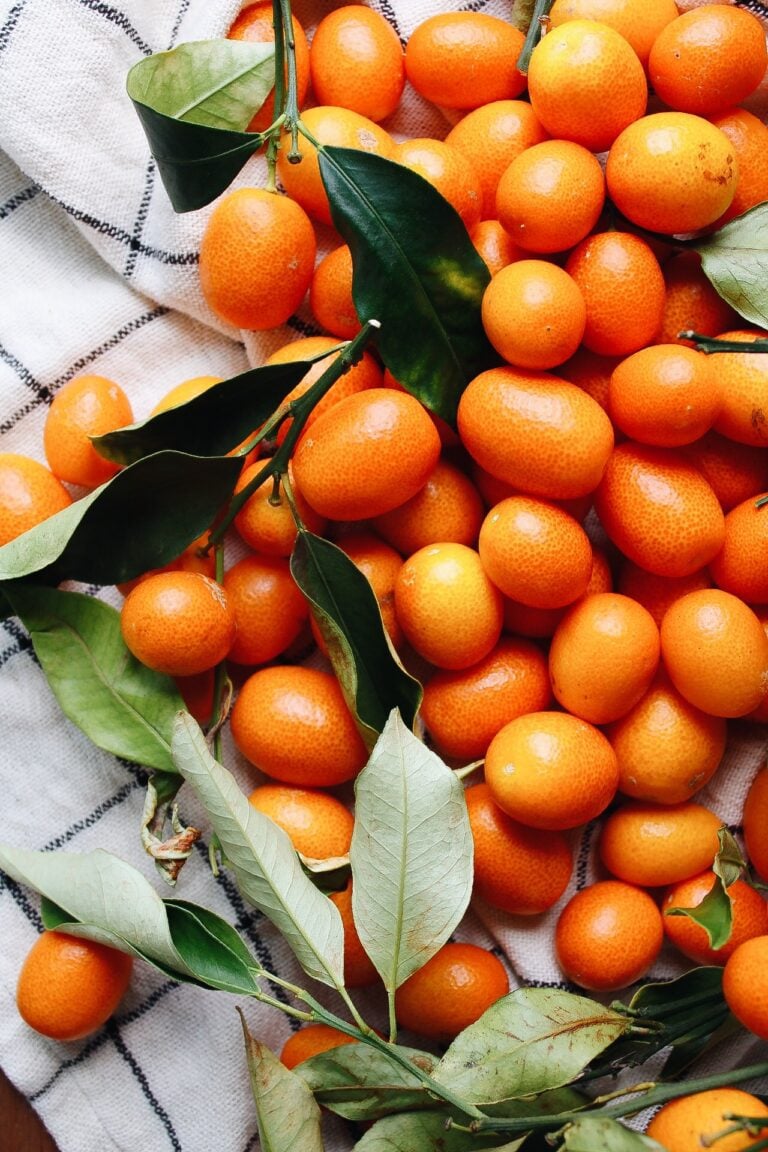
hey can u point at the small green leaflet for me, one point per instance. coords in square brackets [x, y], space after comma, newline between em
[715, 912]
[286, 1111]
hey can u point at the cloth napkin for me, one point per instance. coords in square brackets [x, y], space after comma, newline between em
[99, 275]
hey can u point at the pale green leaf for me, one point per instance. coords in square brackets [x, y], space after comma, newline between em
[411, 854]
[268, 870]
[286, 1112]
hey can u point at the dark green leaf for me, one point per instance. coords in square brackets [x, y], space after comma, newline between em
[194, 104]
[735, 259]
[530, 1041]
[122, 706]
[692, 992]
[51, 915]
[286, 1112]
[544, 1104]
[372, 678]
[210, 424]
[211, 948]
[360, 1083]
[715, 912]
[411, 854]
[601, 1134]
[427, 1132]
[143, 518]
[415, 270]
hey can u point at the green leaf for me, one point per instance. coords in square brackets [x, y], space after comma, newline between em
[359, 1082]
[142, 518]
[122, 706]
[113, 902]
[266, 867]
[735, 260]
[667, 999]
[426, 1132]
[715, 912]
[601, 1134]
[530, 1041]
[544, 1104]
[211, 948]
[345, 606]
[194, 104]
[522, 11]
[210, 424]
[286, 1113]
[415, 270]
[411, 854]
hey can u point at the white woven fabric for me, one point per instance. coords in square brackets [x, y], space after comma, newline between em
[99, 275]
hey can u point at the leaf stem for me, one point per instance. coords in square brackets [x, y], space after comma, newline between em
[292, 97]
[279, 103]
[710, 344]
[659, 1094]
[299, 410]
[535, 31]
[375, 1041]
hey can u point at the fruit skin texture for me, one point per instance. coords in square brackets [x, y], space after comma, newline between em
[639, 24]
[491, 137]
[464, 59]
[744, 384]
[86, 406]
[603, 656]
[310, 1041]
[740, 567]
[658, 593]
[551, 196]
[366, 455]
[534, 314]
[463, 710]
[293, 724]
[268, 607]
[667, 749]
[755, 824]
[178, 622]
[517, 869]
[521, 620]
[330, 125]
[256, 23]
[551, 770]
[664, 395]
[29, 494]
[680, 1125]
[448, 608]
[734, 471]
[359, 969]
[623, 288]
[744, 986]
[586, 84]
[608, 936]
[448, 509]
[650, 844]
[708, 59]
[330, 294]
[750, 918]
[356, 61]
[535, 553]
[716, 652]
[749, 137]
[318, 824]
[494, 245]
[542, 435]
[68, 988]
[659, 510]
[672, 172]
[257, 256]
[451, 991]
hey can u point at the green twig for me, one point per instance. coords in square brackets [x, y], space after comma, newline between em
[535, 31]
[710, 344]
[292, 96]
